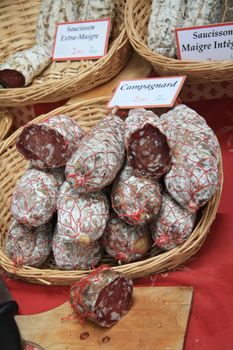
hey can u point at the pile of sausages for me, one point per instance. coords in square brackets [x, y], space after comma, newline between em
[119, 189]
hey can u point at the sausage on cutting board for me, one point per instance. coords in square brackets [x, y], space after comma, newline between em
[103, 297]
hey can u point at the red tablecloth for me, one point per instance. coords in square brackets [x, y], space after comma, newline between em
[209, 272]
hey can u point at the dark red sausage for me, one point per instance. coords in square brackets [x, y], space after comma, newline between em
[147, 148]
[51, 143]
[10, 78]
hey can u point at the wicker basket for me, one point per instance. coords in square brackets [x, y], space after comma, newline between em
[61, 79]
[137, 14]
[13, 166]
[6, 121]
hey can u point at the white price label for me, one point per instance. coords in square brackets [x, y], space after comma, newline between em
[152, 92]
[81, 40]
[205, 43]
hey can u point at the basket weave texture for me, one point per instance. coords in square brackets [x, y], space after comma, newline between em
[6, 121]
[13, 167]
[137, 13]
[61, 79]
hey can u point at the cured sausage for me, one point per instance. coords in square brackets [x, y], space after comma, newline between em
[125, 242]
[27, 246]
[202, 12]
[34, 198]
[228, 11]
[166, 15]
[147, 148]
[51, 13]
[135, 199]
[51, 143]
[22, 66]
[71, 256]
[99, 156]
[194, 176]
[94, 10]
[173, 225]
[82, 217]
[103, 297]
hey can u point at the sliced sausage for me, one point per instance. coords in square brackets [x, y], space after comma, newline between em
[103, 297]
[147, 148]
[51, 143]
[22, 66]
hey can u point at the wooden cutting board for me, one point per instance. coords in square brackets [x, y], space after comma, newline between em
[156, 321]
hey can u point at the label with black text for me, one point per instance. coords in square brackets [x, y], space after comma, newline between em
[152, 92]
[81, 40]
[205, 43]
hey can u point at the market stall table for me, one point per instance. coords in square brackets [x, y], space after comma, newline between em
[209, 272]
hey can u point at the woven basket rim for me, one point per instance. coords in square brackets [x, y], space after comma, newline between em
[6, 121]
[83, 81]
[159, 263]
[182, 66]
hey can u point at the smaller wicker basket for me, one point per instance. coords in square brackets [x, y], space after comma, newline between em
[137, 13]
[13, 166]
[6, 121]
[61, 79]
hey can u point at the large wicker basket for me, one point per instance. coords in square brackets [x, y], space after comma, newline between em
[6, 121]
[12, 167]
[137, 14]
[61, 79]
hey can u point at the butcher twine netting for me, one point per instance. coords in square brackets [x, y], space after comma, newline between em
[99, 157]
[135, 199]
[34, 198]
[81, 217]
[194, 176]
[28, 246]
[126, 242]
